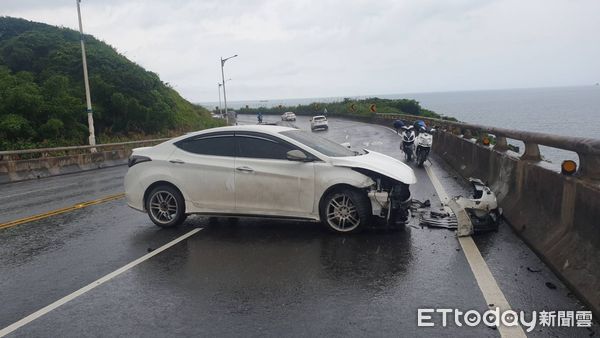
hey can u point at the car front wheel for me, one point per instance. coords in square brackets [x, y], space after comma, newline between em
[345, 211]
[166, 206]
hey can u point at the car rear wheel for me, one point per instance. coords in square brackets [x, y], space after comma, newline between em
[166, 206]
[345, 211]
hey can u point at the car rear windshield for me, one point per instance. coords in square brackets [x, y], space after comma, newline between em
[320, 144]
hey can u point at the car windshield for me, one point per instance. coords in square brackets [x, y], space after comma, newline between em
[320, 144]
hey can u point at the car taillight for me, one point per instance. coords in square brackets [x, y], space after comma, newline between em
[135, 159]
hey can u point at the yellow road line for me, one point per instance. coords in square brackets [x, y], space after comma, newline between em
[61, 210]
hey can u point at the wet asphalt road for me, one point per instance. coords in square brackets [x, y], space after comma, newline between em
[250, 277]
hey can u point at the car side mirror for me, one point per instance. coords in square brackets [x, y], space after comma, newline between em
[296, 155]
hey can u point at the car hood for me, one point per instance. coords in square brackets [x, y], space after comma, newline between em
[380, 163]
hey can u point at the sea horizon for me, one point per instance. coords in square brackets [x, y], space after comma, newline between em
[236, 104]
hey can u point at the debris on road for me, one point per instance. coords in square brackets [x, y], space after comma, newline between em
[533, 270]
[481, 211]
[439, 220]
[482, 208]
[416, 204]
[551, 285]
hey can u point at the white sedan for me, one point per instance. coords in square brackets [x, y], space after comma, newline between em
[288, 116]
[267, 171]
[318, 122]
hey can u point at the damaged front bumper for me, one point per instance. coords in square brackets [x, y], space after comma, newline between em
[392, 206]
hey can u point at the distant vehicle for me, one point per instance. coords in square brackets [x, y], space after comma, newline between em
[318, 122]
[217, 116]
[267, 171]
[288, 116]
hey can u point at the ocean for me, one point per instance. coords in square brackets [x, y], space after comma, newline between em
[571, 111]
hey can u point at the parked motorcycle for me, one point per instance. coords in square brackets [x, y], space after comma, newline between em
[424, 141]
[408, 142]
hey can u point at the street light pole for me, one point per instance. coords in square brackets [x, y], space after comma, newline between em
[224, 91]
[88, 99]
[220, 111]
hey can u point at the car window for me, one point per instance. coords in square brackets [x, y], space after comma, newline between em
[216, 145]
[320, 144]
[253, 146]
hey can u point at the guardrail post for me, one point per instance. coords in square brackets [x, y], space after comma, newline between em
[501, 144]
[589, 166]
[532, 152]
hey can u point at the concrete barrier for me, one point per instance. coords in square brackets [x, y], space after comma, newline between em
[558, 216]
[29, 164]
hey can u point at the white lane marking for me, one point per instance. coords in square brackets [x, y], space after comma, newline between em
[485, 280]
[439, 188]
[68, 298]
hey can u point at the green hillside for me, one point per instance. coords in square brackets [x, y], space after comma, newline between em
[42, 97]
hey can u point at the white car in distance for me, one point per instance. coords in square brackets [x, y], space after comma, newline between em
[319, 122]
[267, 171]
[288, 116]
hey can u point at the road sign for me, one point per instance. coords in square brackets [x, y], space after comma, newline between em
[353, 107]
[373, 108]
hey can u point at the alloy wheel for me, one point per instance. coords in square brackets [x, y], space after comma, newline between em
[342, 214]
[163, 206]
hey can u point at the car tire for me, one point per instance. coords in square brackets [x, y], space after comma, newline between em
[165, 206]
[345, 210]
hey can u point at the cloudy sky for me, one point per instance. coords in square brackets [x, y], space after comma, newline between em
[321, 48]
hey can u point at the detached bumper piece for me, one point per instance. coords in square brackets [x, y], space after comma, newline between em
[479, 213]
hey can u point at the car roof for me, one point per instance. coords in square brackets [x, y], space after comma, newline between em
[269, 129]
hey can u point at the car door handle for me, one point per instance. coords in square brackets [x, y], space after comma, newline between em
[245, 169]
[176, 161]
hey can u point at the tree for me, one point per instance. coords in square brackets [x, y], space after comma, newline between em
[41, 89]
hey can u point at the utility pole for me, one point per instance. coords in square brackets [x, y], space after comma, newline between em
[224, 91]
[220, 111]
[88, 99]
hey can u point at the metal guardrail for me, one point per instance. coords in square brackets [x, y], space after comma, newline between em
[588, 149]
[9, 155]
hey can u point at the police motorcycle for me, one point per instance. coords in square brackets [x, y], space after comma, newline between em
[424, 141]
[408, 142]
